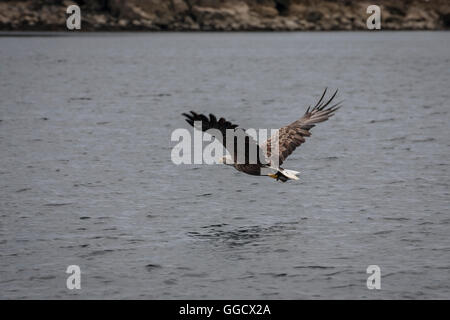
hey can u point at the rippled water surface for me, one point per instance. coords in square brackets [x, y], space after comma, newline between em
[86, 176]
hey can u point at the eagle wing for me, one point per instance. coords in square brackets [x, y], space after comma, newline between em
[294, 134]
[223, 125]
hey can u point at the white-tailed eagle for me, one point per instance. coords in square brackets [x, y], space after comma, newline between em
[289, 138]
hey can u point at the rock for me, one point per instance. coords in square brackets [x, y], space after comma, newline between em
[445, 18]
[291, 24]
[223, 15]
[123, 22]
[313, 16]
[265, 11]
[180, 7]
[100, 19]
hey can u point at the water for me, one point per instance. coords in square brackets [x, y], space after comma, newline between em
[86, 176]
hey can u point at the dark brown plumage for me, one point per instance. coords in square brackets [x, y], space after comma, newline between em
[294, 134]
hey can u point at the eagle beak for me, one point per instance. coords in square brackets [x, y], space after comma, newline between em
[274, 176]
[220, 161]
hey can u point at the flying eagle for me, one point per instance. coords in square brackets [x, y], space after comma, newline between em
[290, 137]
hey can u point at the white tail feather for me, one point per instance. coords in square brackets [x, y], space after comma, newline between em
[291, 174]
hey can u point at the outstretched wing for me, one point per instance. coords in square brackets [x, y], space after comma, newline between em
[223, 125]
[293, 135]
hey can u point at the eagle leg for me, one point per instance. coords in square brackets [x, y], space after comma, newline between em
[279, 177]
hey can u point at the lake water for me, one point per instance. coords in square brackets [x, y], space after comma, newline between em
[86, 177]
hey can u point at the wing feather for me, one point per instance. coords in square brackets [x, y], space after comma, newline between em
[294, 134]
[223, 125]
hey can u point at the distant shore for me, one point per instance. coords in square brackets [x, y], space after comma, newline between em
[225, 15]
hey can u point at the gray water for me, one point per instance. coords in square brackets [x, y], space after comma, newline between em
[86, 177]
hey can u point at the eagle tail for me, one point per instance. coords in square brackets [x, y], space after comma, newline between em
[284, 175]
[291, 174]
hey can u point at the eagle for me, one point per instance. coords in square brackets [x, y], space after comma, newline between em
[289, 138]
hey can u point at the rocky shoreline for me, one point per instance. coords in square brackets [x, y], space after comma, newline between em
[223, 15]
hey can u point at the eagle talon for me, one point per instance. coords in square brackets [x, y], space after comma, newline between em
[278, 176]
